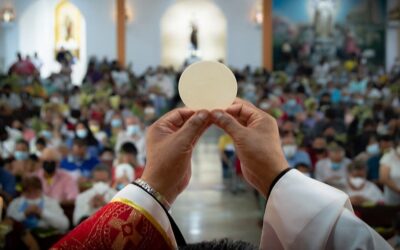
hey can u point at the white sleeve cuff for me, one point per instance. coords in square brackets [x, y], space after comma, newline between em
[146, 202]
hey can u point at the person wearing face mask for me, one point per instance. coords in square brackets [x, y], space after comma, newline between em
[22, 164]
[83, 132]
[90, 201]
[133, 133]
[389, 175]
[294, 155]
[55, 180]
[333, 170]
[371, 149]
[359, 189]
[36, 211]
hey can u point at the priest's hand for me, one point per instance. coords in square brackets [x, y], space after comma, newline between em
[170, 142]
[256, 138]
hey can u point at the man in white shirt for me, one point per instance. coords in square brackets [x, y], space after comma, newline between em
[88, 202]
[301, 213]
[359, 189]
[35, 210]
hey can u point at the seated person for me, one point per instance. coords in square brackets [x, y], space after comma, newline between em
[227, 154]
[79, 163]
[22, 163]
[359, 189]
[35, 210]
[88, 202]
[55, 180]
[385, 144]
[292, 153]
[127, 158]
[333, 170]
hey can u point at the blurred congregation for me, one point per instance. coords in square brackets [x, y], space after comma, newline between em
[67, 147]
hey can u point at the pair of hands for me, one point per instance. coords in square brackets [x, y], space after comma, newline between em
[33, 210]
[97, 201]
[170, 142]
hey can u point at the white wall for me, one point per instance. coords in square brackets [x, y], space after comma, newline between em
[244, 38]
[392, 39]
[143, 32]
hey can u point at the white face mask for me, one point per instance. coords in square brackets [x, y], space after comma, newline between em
[356, 182]
[289, 150]
[373, 149]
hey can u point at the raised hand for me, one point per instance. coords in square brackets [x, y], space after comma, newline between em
[170, 142]
[257, 142]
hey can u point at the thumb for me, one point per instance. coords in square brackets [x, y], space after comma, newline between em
[194, 126]
[226, 122]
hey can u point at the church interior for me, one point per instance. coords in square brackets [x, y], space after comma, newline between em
[83, 81]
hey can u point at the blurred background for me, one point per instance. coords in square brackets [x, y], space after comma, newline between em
[81, 81]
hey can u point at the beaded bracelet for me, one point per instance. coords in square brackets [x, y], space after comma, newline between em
[153, 192]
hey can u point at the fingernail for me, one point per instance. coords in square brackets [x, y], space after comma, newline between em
[217, 114]
[202, 115]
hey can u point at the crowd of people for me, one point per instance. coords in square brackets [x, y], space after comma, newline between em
[66, 146]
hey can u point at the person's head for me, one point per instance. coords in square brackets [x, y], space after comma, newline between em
[336, 152]
[21, 150]
[289, 146]
[31, 188]
[357, 169]
[116, 121]
[226, 244]
[303, 168]
[50, 158]
[81, 130]
[319, 145]
[369, 126]
[40, 145]
[101, 173]
[128, 153]
[107, 156]
[132, 124]
[79, 148]
[385, 143]
[372, 147]
[357, 174]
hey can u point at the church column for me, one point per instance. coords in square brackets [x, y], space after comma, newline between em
[267, 35]
[121, 31]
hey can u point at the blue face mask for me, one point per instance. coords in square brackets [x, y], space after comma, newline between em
[119, 187]
[292, 102]
[133, 129]
[336, 166]
[116, 123]
[47, 134]
[21, 155]
[81, 133]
